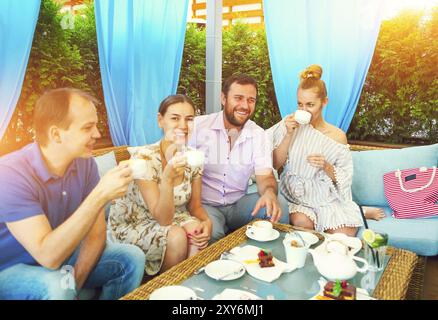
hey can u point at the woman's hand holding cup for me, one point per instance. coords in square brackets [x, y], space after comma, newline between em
[175, 167]
[291, 123]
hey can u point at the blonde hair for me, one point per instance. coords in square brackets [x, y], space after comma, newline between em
[311, 79]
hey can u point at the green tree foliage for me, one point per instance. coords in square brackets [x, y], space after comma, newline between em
[84, 37]
[192, 74]
[244, 50]
[399, 102]
[58, 58]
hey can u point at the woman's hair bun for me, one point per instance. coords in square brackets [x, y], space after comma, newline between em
[314, 71]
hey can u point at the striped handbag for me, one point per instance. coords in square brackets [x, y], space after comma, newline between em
[412, 193]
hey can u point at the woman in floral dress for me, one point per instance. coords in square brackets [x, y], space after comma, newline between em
[162, 213]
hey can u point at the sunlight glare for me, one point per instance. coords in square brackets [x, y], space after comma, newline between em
[394, 7]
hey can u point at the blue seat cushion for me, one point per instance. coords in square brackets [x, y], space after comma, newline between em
[252, 189]
[370, 166]
[417, 235]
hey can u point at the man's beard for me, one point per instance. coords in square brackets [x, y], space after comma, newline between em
[232, 119]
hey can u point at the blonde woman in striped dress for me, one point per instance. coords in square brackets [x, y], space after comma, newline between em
[317, 164]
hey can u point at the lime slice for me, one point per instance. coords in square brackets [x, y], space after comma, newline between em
[374, 239]
[380, 241]
[369, 236]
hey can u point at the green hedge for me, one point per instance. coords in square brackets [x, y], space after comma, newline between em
[58, 58]
[399, 102]
[244, 50]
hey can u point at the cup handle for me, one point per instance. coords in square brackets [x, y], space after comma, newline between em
[353, 251]
[365, 264]
[355, 246]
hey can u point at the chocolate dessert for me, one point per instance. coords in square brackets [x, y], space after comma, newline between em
[340, 290]
[265, 259]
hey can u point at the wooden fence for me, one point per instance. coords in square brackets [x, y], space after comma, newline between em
[250, 11]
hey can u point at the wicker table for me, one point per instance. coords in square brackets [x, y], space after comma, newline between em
[393, 285]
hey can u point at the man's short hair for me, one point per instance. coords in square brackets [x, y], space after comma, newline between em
[241, 79]
[52, 108]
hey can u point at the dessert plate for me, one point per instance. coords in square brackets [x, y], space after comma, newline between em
[173, 293]
[225, 270]
[274, 235]
[248, 255]
[236, 294]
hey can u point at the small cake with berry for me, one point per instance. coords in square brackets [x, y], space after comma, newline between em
[265, 259]
[340, 290]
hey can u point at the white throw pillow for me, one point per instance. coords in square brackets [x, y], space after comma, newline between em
[106, 162]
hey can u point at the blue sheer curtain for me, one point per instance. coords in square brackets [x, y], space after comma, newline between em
[140, 51]
[17, 27]
[339, 35]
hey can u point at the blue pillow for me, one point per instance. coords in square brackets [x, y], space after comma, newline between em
[370, 166]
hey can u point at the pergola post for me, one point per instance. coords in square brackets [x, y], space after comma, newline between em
[213, 56]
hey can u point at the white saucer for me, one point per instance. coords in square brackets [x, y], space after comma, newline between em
[275, 234]
[225, 270]
[173, 293]
[309, 237]
[236, 294]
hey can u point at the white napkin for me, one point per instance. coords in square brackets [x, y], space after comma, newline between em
[235, 294]
[269, 274]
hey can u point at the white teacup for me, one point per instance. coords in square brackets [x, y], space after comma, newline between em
[138, 167]
[295, 256]
[195, 158]
[303, 117]
[261, 229]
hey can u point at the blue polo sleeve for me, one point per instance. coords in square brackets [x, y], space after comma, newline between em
[18, 197]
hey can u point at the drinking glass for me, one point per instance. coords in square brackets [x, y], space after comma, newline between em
[375, 252]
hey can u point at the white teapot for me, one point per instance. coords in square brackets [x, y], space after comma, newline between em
[335, 258]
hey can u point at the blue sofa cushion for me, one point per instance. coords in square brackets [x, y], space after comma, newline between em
[370, 166]
[417, 235]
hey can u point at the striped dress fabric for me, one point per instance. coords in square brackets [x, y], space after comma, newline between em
[412, 193]
[310, 190]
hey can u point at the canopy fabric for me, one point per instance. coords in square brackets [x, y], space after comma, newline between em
[339, 35]
[17, 27]
[140, 50]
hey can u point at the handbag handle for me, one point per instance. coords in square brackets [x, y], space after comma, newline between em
[399, 176]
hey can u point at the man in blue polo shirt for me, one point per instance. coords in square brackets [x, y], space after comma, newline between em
[52, 223]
